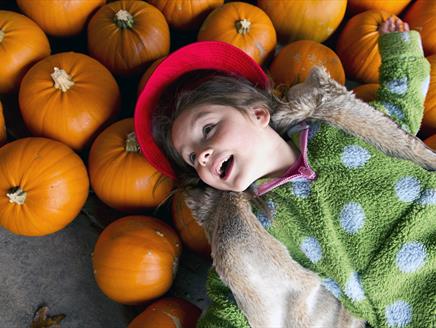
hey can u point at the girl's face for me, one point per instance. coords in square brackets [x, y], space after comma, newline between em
[228, 149]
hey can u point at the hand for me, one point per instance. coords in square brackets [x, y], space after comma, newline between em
[393, 24]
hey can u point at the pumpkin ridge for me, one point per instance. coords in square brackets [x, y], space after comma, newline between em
[2, 35]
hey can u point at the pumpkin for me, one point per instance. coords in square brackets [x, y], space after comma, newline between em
[431, 142]
[120, 175]
[357, 46]
[135, 259]
[22, 43]
[147, 74]
[243, 25]
[422, 17]
[2, 127]
[304, 20]
[391, 6]
[43, 186]
[429, 118]
[126, 36]
[294, 62]
[68, 97]
[168, 312]
[366, 92]
[191, 233]
[60, 17]
[185, 14]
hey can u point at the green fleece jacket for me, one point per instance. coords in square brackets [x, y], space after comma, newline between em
[365, 222]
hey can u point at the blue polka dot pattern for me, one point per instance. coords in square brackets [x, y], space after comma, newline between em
[425, 85]
[405, 36]
[312, 249]
[353, 288]
[411, 257]
[263, 219]
[352, 217]
[354, 156]
[301, 187]
[428, 197]
[407, 189]
[393, 110]
[332, 286]
[399, 86]
[398, 314]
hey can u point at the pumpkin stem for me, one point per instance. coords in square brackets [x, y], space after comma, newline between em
[2, 35]
[243, 26]
[123, 19]
[62, 80]
[131, 143]
[16, 195]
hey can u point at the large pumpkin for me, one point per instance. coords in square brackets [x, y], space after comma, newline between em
[422, 17]
[168, 312]
[294, 62]
[366, 92]
[391, 6]
[357, 46]
[22, 43]
[43, 186]
[243, 25]
[126, 36]
[429, 118]
[60, 17]
[185, 14]
[2, 127]
[304, 20]
[120, 175]
[135, 259]
[68, 97]
[191, 233]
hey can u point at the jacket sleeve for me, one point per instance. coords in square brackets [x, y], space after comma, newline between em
[223, 311]
[404, 79]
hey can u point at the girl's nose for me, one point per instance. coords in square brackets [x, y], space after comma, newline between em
[204, 156]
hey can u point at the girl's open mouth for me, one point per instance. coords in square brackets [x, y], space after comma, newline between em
[226, 168]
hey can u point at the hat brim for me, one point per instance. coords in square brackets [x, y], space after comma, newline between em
[198, 55]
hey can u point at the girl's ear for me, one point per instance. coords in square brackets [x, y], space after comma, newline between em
[261, 115]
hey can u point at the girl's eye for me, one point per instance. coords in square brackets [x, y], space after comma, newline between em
[192, 158]
[207, 129]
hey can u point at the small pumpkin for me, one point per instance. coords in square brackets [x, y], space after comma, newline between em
[243, 25]
[120, 175]
[126, 36]
[431, 142]
[366, 92]
[168, 312]
[191, 233]
[144, 78]
[135, 259]
[421, 16]
[43, 186]
[429, 118]
[357, 46]
[60, 17]
[294, 62]
[391, 6]
[304, 20]
[68, 97]
[22, 43]
[3, 135]
[185, 14]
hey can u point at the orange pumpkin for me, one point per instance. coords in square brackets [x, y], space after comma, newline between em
[43, 184]
[304, 20]
[243, 25]
[186, 14]
[168, 312]
[366, 92]
[126, 36]
[120, 175]
[422, 17]
[2, 127]
[357, 46]
[135, 259]
[391, 6]
[431, 142]
[294, 62]
[60, 17]
[429, 118]
[147, 74]
[22, 43]
[68, 97]
[191, 233]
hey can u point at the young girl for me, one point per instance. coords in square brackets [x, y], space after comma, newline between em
[364, 221]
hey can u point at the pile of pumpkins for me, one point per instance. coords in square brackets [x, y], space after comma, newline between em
[71, 105]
